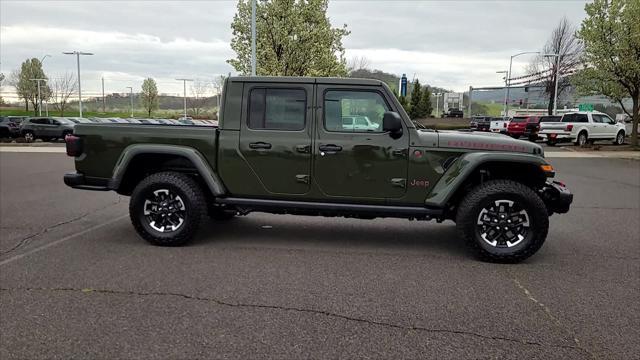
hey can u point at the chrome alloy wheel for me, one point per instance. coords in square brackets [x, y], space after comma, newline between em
[164, 211]
[503, 224]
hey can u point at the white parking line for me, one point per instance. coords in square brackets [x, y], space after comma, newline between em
[60, 241]
[33, 149]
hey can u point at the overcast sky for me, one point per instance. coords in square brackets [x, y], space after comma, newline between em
[450, 44]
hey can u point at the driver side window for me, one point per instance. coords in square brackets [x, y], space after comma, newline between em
[354, 111]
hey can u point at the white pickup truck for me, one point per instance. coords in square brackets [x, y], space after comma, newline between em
[499, 125]
[581, 127]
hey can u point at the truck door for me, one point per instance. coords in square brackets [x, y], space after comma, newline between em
[275, 136]
[357, 161]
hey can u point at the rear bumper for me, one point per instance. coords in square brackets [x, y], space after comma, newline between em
[557, 197]
[79, 181]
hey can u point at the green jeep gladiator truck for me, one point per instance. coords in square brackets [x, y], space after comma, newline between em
[289, 146]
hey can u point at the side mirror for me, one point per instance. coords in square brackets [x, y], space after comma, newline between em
[392, 123]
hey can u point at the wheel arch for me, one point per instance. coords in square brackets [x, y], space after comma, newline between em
[474, 168]
[139, 160]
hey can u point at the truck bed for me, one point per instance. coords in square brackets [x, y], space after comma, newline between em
[104, 143]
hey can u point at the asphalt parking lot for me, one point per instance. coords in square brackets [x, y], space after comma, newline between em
[77, 282]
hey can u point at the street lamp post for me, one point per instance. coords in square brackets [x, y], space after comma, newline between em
[437, 96]
[131, 98]
[184, 82]
[506, 89]
[77, 54]
[557, 75]
[39, 96]
[506, 103]
[253, 37]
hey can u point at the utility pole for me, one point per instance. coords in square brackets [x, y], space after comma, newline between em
[131, 98]
[184, 82]
[506, 88]
[469, 99]
[77, 54]
[253, 37]
[104, 103]
[437, 96]
[39, 97]
[506, 107]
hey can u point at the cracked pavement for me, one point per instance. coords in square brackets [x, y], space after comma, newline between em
[311, 287]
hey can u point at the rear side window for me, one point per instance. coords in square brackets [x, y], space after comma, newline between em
[277, 109]
[577, 118]
[550, 119]
[518, 119]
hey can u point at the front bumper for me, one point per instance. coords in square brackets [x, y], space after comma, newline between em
[556, 197]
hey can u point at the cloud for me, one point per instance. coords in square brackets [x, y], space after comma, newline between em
[451, 44]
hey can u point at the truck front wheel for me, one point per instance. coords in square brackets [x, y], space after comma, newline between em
[503, 221]
[167, 208]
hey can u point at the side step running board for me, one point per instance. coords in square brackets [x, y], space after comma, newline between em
[295, 206]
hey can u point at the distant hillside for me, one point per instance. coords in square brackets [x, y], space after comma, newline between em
[391, 79]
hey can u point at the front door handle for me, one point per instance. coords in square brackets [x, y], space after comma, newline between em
[260, 145]
[330, 148]
[305, 149]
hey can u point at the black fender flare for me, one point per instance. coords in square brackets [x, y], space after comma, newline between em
[463, 167]
[207, 173]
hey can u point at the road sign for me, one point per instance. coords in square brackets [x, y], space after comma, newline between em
[585, 107]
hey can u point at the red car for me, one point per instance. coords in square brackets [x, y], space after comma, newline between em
[518, 125]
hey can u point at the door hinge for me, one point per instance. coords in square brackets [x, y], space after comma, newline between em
[399, 182]
[302, 178]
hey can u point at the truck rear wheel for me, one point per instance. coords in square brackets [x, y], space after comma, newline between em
[503, 221]
[167, 208]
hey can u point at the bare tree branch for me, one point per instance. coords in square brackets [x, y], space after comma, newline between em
[62, 88]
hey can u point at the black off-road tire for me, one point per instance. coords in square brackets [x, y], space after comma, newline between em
[484, 195]
[191, 195]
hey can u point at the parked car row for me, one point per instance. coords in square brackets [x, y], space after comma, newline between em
[49, 128]
[579, 127]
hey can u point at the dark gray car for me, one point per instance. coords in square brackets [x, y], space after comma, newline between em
[46, 128]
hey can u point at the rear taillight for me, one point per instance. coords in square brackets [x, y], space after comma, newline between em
[569, 128]
[74, 145]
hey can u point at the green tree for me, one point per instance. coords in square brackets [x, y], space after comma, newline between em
[293, 38]
[611, 35]
[26, 88]
[149, 95]
[424, 106]
[415, 98]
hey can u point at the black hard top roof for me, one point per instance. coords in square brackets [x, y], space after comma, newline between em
[307, 80]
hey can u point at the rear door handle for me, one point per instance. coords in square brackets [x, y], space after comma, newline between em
[330, 148]
[260, 145]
